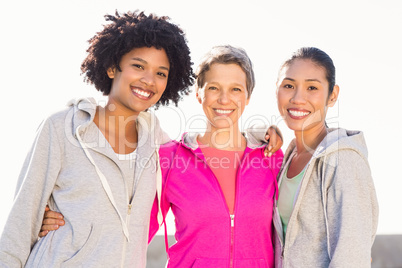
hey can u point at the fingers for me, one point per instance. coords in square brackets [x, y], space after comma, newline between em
[275, 141]
[50, 225]
[277, 146]
[51, 221]
[43, 233]
[53, 215]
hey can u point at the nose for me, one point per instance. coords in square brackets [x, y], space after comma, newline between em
[298, 96]
[223, 97]
[148, 78]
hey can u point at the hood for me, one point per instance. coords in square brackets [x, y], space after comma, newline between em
[84, 110]
[190, 140]
[336, 140]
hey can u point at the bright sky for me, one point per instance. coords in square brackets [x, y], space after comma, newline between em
[44, 42]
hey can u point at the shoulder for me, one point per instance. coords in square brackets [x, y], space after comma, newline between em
[56, 120]
[345, 159]
[77, 109]
[167, 150]
[346, 169]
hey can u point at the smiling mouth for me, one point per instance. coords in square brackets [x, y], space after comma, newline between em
[297, 114]
[142, 94]
[223, 112]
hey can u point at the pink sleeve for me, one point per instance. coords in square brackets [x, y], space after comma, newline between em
[166, 156]
[153, 225]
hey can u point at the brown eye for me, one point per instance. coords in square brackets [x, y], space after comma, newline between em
[162, 74]
[138, 66]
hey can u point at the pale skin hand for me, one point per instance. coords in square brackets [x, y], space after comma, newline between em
[53, 220]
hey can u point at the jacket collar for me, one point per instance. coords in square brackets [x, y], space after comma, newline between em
[189, 140]
[336, 139]
[84, 111]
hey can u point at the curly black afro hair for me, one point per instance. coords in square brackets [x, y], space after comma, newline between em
[135, 30]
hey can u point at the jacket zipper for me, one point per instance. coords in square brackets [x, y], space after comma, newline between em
[231, 239]
[231, 253]
[231, 216]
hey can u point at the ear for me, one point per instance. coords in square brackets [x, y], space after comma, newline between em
[334, 96]
[110, 72]
[198, 95]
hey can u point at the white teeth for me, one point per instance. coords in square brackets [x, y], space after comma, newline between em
[298, 113]
[142, 93]
[219, 111]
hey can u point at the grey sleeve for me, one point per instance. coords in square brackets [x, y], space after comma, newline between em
[35, 185]
[352, 211]
[256, 134]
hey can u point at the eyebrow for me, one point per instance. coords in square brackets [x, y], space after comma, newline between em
[145, 62]
[307, 80]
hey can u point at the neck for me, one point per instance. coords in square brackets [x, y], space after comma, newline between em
[119, 128]
[308, 140]
[229, 139]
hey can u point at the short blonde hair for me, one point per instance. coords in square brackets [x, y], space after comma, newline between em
[226, 55]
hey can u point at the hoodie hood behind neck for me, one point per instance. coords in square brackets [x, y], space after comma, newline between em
[84, 111]
[337, 139]
[190, 140]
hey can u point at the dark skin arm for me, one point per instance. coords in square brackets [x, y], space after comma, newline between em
[53, 220]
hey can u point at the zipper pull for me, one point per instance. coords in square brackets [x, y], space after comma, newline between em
[232, 220]
[129, 209]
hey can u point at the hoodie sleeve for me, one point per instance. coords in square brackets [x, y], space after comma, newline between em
[256, 134]
[352, 211]
[34, 187]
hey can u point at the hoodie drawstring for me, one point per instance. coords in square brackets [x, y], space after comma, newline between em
[105, 184]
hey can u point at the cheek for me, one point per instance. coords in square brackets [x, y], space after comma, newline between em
[282, 100]
[162, 86]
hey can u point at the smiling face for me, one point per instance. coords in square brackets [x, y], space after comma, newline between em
[223, 95]
[302, 95]
[141, 81]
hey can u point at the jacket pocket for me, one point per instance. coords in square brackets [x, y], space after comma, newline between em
[85, 251]
[38, 256]
[246, 263]
[217, 263]
[209, 263]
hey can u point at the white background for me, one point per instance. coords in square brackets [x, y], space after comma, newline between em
[43, 44]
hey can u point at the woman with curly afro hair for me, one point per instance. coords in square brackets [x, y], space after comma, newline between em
[98, 166]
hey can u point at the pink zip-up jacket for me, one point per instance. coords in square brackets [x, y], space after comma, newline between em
[206, 234]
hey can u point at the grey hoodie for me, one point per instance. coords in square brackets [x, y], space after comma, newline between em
[72, 167]
[335, 215]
